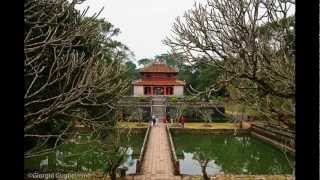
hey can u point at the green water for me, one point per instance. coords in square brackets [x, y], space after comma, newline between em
[229, 154]
[85, 154]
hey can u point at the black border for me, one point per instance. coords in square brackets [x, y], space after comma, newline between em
[12, 87]
[307, 92]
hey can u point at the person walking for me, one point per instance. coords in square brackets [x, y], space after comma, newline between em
[150, 121]
[153, 120]
[164, 119]
[156, 121]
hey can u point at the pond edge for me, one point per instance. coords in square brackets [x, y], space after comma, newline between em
[173, 153]
[142, 151]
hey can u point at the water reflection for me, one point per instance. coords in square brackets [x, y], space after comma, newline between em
[130, 163]
[63, 160]
[192, 167]
[84, 157]
[229, 155]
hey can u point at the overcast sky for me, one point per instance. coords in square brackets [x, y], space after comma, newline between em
[143, 23]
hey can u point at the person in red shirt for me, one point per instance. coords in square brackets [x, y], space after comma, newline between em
[164, 120]
[182, 121]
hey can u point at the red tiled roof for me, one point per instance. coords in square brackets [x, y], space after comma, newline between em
[152, 82]
[159, 67]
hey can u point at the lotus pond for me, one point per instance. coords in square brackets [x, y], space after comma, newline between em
[228, 154]
[85, 154]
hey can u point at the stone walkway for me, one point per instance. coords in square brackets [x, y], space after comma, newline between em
[157, 164]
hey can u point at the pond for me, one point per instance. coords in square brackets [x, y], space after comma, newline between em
[84, 154]
[227, 154]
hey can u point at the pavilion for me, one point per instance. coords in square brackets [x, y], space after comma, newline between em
[158, 79]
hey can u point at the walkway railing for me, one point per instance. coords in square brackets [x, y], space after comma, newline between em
[173, 153]
[279, 134]
[281, 139]
[143, 150]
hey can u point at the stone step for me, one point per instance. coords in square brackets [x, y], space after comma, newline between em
[159, 105]
[159, 99]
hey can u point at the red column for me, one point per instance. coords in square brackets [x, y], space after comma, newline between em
[164, 90]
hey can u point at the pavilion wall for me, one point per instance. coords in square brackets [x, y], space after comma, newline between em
[137, 90]
[178, 90]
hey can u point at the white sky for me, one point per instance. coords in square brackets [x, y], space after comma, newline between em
[143, 23]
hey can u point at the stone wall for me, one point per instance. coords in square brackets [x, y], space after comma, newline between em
[127, 105]
[146, 115]
[281, 139]
[192, 112]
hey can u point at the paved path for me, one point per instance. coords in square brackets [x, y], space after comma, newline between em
[157, 164]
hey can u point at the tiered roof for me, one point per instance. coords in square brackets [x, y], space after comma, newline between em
[160, 82]
[159, 67]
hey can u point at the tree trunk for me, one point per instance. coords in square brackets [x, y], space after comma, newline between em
[113, 174]
[204, 173]
[203, 169]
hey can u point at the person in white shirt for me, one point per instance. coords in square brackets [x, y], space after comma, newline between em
[157, 120]
[153, 120]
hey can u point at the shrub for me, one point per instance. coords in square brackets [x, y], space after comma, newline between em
[143, 99]
[193, 98]
[173, 99]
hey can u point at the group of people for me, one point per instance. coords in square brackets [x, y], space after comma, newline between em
[155, 120]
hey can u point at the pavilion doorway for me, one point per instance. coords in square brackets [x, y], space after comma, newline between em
[158, 91]
[169, 90]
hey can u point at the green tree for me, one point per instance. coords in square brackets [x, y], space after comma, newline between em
[131, 70]
[131, 74]
[169, 59]
[145, 61]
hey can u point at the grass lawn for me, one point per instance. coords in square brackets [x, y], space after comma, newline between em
[133, 125]
[191, 125]
[246, 177]
[204, 126]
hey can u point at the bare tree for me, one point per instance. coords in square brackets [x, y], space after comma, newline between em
[206, 115]
[116, 150]
[71, 66]
[136, 114]
[252, 44]
[177, 113]
[203, 158]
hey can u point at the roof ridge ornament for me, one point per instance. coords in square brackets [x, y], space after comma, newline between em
[158, 66]
[159, 61]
